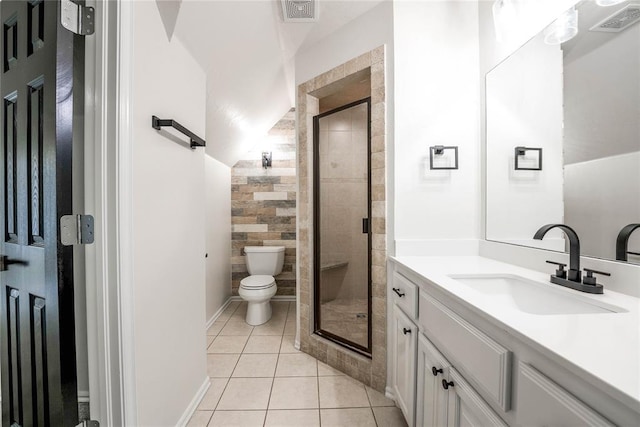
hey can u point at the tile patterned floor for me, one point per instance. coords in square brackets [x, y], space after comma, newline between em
[259, 379]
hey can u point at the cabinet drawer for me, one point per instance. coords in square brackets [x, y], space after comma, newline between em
[405, 295]
[482, 360]
[536, 392]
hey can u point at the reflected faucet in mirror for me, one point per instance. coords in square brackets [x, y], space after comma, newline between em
[574, 278]
[622, 242]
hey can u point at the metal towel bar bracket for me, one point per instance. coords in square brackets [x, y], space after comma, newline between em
[195, 140]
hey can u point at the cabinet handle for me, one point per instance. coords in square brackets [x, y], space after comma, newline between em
[435, 371]
[446, 385]
[397, 291]
[406, 331]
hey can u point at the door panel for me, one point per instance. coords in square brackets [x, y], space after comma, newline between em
[38, 339]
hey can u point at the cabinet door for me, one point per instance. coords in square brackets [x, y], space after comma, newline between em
[404, 364]
[431, 407]
[536, 391]
[466, 408]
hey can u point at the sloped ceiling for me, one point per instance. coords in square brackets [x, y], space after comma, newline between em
[248, 53]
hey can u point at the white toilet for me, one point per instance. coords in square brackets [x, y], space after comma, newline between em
[263, 262]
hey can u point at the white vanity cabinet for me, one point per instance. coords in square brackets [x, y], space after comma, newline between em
[444, 397]
[431, 402]
[453, 367]
[543, 402]
[405, 340]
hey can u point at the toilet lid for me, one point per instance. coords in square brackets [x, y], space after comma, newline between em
[257, 282]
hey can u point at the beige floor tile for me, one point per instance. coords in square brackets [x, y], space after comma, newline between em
[216, 327]
[280, 308]
[245, 394]
[228, 344]
[237, 419]
[325, 370]
[272, 327]
[221, 365]
[210, 339]
[342, 392]
[228, 312]
[288, 344]
[200, 419]
[241, 311]
[294, 393]
[293, 418]
[297, 365]
[256, 366]
[263, 344]
[352, 417]
[290, 327]
[211, 398]
[389, 417]
[236, 327]
[378, 399]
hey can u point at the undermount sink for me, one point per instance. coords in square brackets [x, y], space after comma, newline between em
[533, 297]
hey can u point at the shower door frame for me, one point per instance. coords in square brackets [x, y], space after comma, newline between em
[365, 351]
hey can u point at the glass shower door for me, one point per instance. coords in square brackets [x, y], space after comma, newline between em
[342, 231]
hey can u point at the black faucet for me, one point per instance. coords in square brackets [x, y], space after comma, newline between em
[622, 242]
[574, 248]
[574, 279]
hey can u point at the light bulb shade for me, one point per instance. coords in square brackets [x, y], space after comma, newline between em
[608, 2]
[562, 29]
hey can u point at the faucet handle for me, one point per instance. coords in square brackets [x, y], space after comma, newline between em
[560, 272]
[589, 279]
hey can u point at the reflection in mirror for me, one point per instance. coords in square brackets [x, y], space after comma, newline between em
[579, 102]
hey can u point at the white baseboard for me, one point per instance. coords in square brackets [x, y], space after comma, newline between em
[188, 413]
[388, 392]
[218, 313]
[83, 396]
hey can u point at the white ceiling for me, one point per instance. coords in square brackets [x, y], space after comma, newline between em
[248, 53]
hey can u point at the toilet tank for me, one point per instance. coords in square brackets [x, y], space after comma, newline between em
[264, 259]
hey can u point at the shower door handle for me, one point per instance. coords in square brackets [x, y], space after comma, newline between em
[365, 225]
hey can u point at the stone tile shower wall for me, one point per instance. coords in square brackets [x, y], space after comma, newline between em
[371, 371]
[263, 204]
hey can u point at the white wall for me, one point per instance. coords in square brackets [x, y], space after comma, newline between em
[217, 234]
[437, 103]
[602, 196]
[363, 34]
[524, 108]
[168, 224]
[602, 92]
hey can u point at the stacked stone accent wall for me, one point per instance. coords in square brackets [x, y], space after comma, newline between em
[263, 204]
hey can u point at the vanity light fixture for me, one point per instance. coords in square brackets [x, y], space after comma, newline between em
[521, 152]
[606, 3]
[562, 29]
[266, 159]
[439, 150]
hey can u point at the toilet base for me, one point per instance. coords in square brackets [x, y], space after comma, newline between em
[258, 313]
[258, 304]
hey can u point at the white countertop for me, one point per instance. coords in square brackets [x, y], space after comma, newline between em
[605, 345]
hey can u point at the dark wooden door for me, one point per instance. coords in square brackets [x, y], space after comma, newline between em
[37, 310]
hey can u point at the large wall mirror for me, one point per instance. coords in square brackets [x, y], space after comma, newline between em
[563, 136]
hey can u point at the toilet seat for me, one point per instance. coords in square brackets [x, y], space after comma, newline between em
[257, 282]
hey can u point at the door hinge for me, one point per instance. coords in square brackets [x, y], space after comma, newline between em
[89, 423]
[77, 18]
[76, 230]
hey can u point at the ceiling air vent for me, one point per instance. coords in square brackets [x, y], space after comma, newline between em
[300, 10]
[620, 20]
